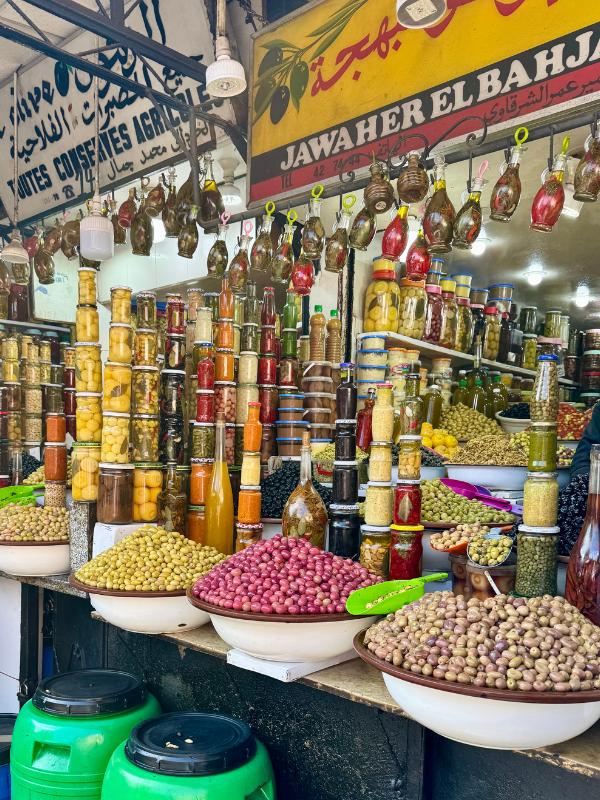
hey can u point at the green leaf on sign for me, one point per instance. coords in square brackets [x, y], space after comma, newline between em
[278, 43]
[331, 23]
[298, 83]
[327, 41]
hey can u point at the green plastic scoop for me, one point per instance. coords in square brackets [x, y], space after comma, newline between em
[20, 495]
[385, 598]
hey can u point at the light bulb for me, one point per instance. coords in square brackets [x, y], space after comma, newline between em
[535, 275]
[479, 246]
[582, 295]
[225, 76]
[420, 13]
[159, 231]
[96, 234]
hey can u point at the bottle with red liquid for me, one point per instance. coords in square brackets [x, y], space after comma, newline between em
[467, 225]
[303, 275]
[364, 422]
[583, 570]
[337, 246]
[438, 220]
[283, 258]
[418, 260]
[507, 191]
[268, 314]
[396, 235]
[550, 198]
[238, 269]
[587, 175]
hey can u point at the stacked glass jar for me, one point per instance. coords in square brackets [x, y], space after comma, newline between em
[248, 526]
[538, 536]
[344, 521]
[69, 382]
[375, 533]
[12, 419]
[224, 372]
[31, 391]
[247, 371]
[317, 381]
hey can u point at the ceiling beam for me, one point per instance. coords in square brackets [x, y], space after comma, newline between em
[105, 27]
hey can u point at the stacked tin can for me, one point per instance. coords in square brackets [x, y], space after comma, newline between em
[248, 525]
[172, 384]
[265, 342]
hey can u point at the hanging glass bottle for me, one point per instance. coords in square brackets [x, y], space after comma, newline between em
[262, 249]
[467, 225]
[413, 182]
[587, 175]
[550, 198]
[127, 210]
[238, 269]
[439, 213]
[218, 257]
[283, 259]
[363, 230]
[379, 193]
[395, 235]
[187, 240]
[119, 233]
[303, 275]
[337, 246]
[418, 259]
[211, 201]
[507, 191]
[155, 199]
[70, 239]
[169, 212]
[142, 233]
[313, 232]
[184, 199]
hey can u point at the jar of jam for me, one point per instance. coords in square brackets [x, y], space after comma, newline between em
[345, 440]
[120, 305]
[203, 440]
[345, 481]
[56, 427]
[247, 535]
[71, 424]
[195, 524]
[200, 478]
[145, 310]
[267, 370]
[115, 494]
[344, 531]
[268, 397]
[407, 503]
[224, 365]
[205, 367]
[268, 343]
[69, 377]
[55, 461]
[249, 505]
[144, 390]
[175, 314]
[146, 347]
[406, 552]
[85, 458]
[70, 401]
[225, 334]
[172, 383]
[147, 486]
[205, 405]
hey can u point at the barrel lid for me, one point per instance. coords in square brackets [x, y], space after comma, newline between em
[89, 692]
[7, 723]
[190, 744]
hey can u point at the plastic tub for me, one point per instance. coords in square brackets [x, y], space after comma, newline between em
[318, 431]
[503, 291]
[317, 400]
[318, 416]
[372, 357]
[291, 430]
[317, 369]
[311, 385]
[289, 399]
[287, 446]
[64, 737]
[371, 341]
[291, 414]
[366, 373]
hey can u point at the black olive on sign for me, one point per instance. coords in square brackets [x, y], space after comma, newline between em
[279, 103]
[273, 57]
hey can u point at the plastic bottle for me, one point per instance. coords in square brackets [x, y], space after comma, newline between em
[333, 344]
[460, 392]
[477, 396]
[317, 335]
[219, 502]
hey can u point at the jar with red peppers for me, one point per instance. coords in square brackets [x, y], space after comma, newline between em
[267, 370]
[406, 552]
[433, 314]
[224, 365]
[175, 314]
[205, 405]
[268, 341]
[407, 503]
[268, 397]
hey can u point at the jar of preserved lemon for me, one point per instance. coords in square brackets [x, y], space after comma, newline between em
[89, 416]
[115, 438]
[382, 300]
[85, 460]
[144, 437]
[413, 302]
[146, 347]
[120, 304]
[120, 343]
[147, 485]
[11, 371]
[88, 367]
[117, 387]
[87, 324]
[145, 382]
[87, 286]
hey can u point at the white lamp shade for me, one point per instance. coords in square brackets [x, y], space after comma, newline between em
[96, 235]
[14, 252]
[224, 77]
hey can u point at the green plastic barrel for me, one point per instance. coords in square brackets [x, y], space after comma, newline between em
[190, 757]
[64, 737]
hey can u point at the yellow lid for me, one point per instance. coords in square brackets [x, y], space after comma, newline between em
[408, 528]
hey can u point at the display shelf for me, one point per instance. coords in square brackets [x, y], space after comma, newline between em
[435, 351]
[44, 326]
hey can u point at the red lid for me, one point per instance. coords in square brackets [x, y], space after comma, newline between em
[384, 274]
[432, 288]
[491, 310]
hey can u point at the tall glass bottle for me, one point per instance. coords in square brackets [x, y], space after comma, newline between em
[211, 201]
[363, 229]
[313, 232]
[411, 408]
[395, 235]
[283, 259]
[439, 216]
[169, 212]
[303, 275]
[305, 515]
[460, 392]
[476, 396]
[587, 175]
[251, 304]
[418, 259]
[467, 225]
[219, 502]
[238, 269]
[550, 198]
[583, 570]
[218, 257]
[337, 246]
[262, 249]
[507, 191]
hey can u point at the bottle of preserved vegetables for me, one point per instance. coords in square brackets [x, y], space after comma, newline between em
[305, 515]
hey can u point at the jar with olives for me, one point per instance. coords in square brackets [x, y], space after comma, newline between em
[120, 305]
[529, 360]
[115, 493]
[411, 313]
[145, 381]
[89, 416]
[464, 326]
[85, 459]
[147, 486]
[449, 314]
[542, 447]
[491, 333]
[146, 347]
[117, 387]
[146, 310]
[544, 398]
[537, 551]
[433, 315]
[88, 367]
[14, 419]
[120, 343]
[144, 437]
[382, 301]
[115, 437]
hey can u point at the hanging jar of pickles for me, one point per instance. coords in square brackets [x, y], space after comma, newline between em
[439, 216]
[283, 258]
[303, 275]
[238, 269]
[211, 201]
[155, 199]
[467, 225]
[187, 240]
[142, 232]
[413, 182]
[262, 249]
[507, 191]
[587, 174]
[362, 230]
[418, 259]
[550, 198]
[395, 235]
[337, 246]
[379, 193]
[218, 256]
[169, 212]
[313, 232]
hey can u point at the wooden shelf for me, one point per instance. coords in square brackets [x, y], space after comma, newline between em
[44, 326]
[435, 351]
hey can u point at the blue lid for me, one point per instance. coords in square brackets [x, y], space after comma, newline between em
[462, 272]
[291, 422]
[497, 285]
[320, 441]
[346, 364]
[293, 394]
[473, 289]
[548, 357]
[371, 366]
[295, 408]
[372, 350]
[365, 381]
[438, 260]
[287, 439]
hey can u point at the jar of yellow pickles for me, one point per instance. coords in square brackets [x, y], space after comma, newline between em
[85, 460]
[117, 387]
[11, 371]
[88, 367]
[115, 438]
[87, 286]
[89, 416]
[69, 356]
[120, 304]
[144, 437]
[411, 314]
[146, 347]
[147, 485]
[120, 343]
[382, 301]
[146, 309]
[145, 383]
[87, 324]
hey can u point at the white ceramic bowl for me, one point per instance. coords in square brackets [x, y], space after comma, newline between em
[509, 425]
[278, 638]
[35, 559]
[498, 720]
[492, 477]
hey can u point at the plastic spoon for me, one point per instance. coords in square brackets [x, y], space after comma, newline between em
[384, 598]
[471, 492]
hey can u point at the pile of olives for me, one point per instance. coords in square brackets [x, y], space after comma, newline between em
[150, 559]
[441, 504]
[489, 552]
[467, 423]
[33, 524]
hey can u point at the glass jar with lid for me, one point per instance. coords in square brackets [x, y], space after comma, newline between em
[171, 396]
[542, 446]
[449, 314]
[246, 393]
[537, 552]
[382, 301]
[85, 459]
[250, 338]
[53, 401]
[55, 461]
[203, 440]
[144, 437]
[544, 398]
[464, 325]
[11, 397]
[120, 343]
[528, 319]
[410, 407]
[33, 372]
[115, 437]
[406, 552]
[146, 347]
[491, 335]
[540, 499]
[147, 486]
[529, 360]
[33, 399]
[411, 311]
[69, 356]
[87, 285]
[145, 303]
[409, 457]
[375, 549]
[32, 429]
[380, 462]
[88, 368]
[115, 493]
[204, 325]
[175, 314]
[56, 427]
[200, 477]
[11, 372]
[87, 324]
[172, 501]
[70, 401]
[14, 419]
[478, 316]
[145, 382]
[120, 304]
[117, 387]
[89, 416]
[433, 314]
[552, 323]
[383, 414]
[379, 504]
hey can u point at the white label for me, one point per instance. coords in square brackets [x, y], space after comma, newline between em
[420, 9]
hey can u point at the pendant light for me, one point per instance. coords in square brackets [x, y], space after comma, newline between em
[97, 237]
[14, 252]
[224, 77]
[420, 13]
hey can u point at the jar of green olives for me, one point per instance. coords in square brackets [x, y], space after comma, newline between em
[537, 550]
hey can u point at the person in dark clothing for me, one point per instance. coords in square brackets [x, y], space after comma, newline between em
[591, 435]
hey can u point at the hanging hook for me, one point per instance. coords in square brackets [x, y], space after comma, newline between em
[551, 159]
[470, 178]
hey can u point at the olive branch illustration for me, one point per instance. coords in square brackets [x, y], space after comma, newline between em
[283, 71]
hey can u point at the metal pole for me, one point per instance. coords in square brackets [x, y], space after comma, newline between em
[194, 159]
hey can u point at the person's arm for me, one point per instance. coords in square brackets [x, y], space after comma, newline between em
[591, 435]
